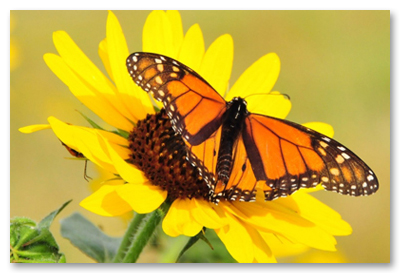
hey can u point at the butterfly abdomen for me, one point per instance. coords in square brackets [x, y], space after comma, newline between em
[232, 125]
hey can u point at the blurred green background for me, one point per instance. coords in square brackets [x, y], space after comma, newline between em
[335, 65]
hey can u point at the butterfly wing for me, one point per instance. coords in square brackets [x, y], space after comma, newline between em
[276, 156]
[194, 107]
[289, 156]
[242, 182]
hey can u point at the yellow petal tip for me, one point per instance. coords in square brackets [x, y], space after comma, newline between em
[34, 128]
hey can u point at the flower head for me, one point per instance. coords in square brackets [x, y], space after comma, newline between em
[148, 157]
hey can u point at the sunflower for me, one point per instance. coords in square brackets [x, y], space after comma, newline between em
[251, 232]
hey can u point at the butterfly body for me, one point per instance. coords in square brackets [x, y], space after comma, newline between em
[232, 123]
[238, 152]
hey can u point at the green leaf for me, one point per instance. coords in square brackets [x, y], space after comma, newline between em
[89, 238]
[34, 243]
[45, 236]
[22, 221]
[46, 222]
[24, 234]
[122, 133]
[218, 255]
[94, 124]
[37, 251]
[62, 259]
[192, 241]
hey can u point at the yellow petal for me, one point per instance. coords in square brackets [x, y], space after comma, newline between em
[179, 219]
[88, 72]
[159, 33]
[85, 140]
[271, 104]
[75, 138]
[318, 213]
[260, 77]
[176, 27]
[104, 178]
[204, 213]
[114, 139]
[135, 97]
[80, 63]
[87, 94]
[321, 127]
[117, 143]
[106, 202]
[103, 148]
[237, 240]
[217, 63]
[103, 53]
[34, 128]
[244, 242]
[282, 247]
[262, 252]
[127, 171]
[273, 217]
[135, 103]
[158, 36]
[143, 198]
[192, 51]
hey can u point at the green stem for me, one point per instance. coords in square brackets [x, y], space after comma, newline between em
[128, 237]
[138, 234]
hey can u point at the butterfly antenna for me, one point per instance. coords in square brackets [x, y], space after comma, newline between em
[269, 94]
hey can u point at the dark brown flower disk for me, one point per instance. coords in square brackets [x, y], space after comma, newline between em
[160, 153]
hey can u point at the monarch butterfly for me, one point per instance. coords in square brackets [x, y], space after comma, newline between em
[238, 152]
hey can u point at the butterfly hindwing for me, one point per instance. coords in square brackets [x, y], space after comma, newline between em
[184, 94]
[242, 183]
[204, 157]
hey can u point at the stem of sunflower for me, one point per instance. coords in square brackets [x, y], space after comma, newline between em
[128, 237]
[139, 233]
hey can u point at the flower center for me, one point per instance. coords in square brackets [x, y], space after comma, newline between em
[160, 153]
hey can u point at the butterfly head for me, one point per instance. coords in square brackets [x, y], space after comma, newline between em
[237, 106]
[238, 100]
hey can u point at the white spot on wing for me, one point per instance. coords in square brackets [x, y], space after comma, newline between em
[326, 139]
[346, 156]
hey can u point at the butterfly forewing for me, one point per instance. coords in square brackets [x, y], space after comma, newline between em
[185, 95]
[297, 157]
